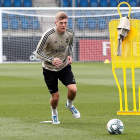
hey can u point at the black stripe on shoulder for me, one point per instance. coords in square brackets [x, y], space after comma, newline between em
[69, 30]
[49, 32]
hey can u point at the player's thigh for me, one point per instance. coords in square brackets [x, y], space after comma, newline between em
[51, 80]
[66, 76]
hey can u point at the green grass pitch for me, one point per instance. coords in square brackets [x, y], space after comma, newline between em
[24, 102]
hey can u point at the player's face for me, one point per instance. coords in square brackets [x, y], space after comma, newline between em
[61, 25]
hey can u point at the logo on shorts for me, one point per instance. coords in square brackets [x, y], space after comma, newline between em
[73, 80]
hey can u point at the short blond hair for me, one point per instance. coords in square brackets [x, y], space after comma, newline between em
[61, 15]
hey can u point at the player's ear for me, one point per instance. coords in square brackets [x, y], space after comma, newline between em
[56, 23]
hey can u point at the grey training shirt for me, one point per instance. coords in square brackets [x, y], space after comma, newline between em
[52, 45]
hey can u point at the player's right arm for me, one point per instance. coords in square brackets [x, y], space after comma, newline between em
[40, 47]
[40, 53]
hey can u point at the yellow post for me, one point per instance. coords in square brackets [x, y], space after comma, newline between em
[129, 58]
[119, 88]
[134, 93]
[139, 97]
[125, 89]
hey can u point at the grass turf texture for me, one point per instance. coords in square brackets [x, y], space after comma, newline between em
[24, 102]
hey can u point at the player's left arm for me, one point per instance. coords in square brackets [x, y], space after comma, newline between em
[70, 51]
[70, 59]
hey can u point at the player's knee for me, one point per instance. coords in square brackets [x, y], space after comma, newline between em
[73, 90]
[55, 97]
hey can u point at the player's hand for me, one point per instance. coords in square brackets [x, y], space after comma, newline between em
[69, 59]
[57, 62]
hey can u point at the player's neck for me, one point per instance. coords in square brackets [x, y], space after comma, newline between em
[61, 33]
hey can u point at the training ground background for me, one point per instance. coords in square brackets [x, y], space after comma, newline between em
[24, 102]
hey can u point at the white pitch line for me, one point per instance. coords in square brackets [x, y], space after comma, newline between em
[46, 122]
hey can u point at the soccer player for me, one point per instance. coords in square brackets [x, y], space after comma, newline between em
[55, 49]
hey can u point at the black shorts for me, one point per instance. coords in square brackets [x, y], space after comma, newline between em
[51, 78]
